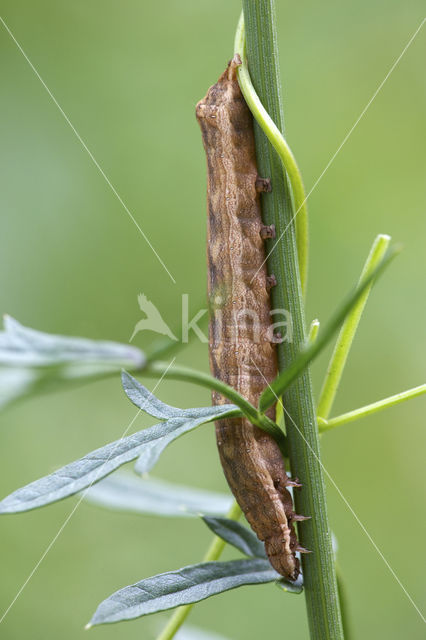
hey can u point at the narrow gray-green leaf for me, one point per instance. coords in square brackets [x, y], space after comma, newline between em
[32, 361]
[127, 492]
[238, 535]
[21, 346]
[184, 586]
[82, 473]
[145, 400]
[150, 454]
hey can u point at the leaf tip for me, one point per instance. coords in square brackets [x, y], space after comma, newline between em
[8, 321]
[285, 585]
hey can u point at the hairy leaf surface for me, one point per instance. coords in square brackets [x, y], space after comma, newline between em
[76, 476]
[184, 586]
[33, 361]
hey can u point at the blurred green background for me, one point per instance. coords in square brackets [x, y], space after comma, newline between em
[128, 75]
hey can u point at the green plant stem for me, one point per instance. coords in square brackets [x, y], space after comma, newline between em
[213, 553]
[280, 145]
[344, 603]
[318, 567]
[375, 407]
[348, 330]
[202, 379]
[187, 374]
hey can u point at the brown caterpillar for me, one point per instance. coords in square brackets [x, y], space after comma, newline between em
[241, 348]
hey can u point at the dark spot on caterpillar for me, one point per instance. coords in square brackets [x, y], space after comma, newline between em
[263, 185]
[267, 231]
[271, 281]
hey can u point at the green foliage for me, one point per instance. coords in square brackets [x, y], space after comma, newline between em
[284, 379]
[32, 361]
[148, 495]
[147, 402]
[127, 493]
[196, 582]
[147, 445]
[236, 534]
[184, 586]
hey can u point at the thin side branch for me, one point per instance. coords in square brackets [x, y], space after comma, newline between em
[348, 330]
[367, 410]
